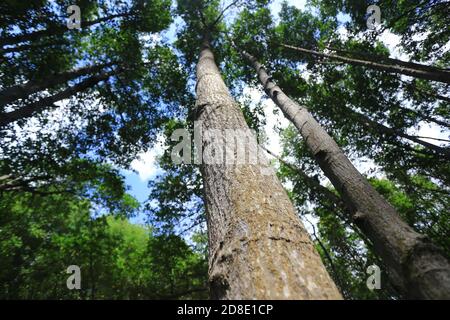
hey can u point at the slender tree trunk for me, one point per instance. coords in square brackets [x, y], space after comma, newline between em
[426, 117]
[416, 267]
[48, 102]
[53, 31]
[439, 75]
[383, 59]
[258, 248]
[23, 91]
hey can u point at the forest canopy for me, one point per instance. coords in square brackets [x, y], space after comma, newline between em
[344, 119]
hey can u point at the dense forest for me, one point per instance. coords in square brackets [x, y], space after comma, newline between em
[355, 92]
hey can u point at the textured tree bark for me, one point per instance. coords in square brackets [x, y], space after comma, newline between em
[22, 91]
[258, 248]
[416, 266]
[422, 73]
[48, 102]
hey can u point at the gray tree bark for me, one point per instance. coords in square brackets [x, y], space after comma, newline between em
[258, 248]
[416, 266]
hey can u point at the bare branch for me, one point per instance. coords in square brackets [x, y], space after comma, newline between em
[223, 12]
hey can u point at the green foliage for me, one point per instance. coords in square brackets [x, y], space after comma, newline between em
[345, 251]
[407, 18]
[63, 201]
[175, 202]
[125, 110]
[40, 236]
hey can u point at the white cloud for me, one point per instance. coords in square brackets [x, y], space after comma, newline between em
[392, 41]
[150, 39]
[146, 163]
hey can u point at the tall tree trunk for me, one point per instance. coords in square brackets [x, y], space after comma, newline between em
[258, 248]
[383, 59]
[23, 91]
[48, 102]
[439, 75]
[416, 267]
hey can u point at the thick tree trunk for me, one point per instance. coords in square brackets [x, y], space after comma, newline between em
[421, 73]
[23, 91]
[416, 266]
[48, 102]
[258, 248]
